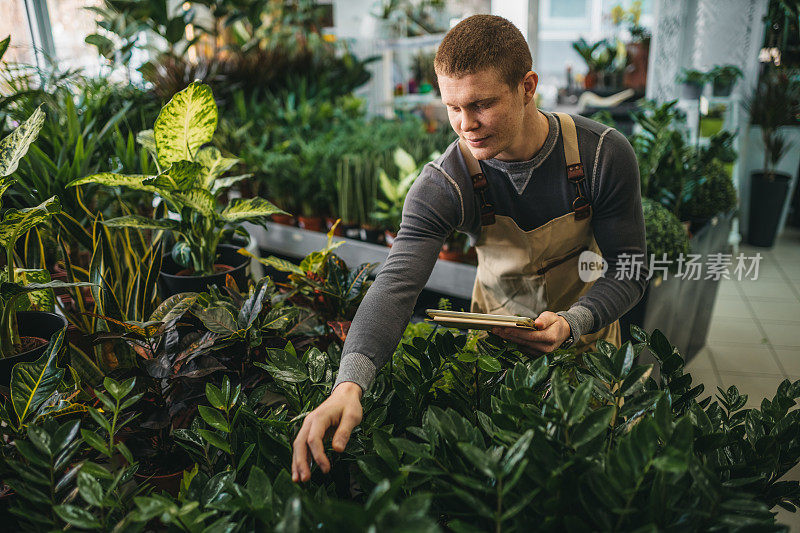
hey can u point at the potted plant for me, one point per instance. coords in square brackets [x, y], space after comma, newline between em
[723, 78]
[638, 48]
[189, 182]
[389, 210]
[24, 335]
[772, 105]
[357, 189]
[455, 247]
[586, 51]
[692, 82]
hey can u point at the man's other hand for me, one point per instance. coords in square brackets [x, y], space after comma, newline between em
[552, 330]
[342, 409]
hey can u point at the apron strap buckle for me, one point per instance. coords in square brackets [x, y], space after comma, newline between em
[479, 181]
[575, 172]
[487, 215]
[581, 207]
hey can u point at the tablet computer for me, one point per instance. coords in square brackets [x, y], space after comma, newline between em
[459, 319]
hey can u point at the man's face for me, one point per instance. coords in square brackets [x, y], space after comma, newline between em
[484, 111]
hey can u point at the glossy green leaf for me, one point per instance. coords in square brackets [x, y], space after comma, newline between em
[593, 425]
[90, 489]
[215, 440]
[489, 364]
[76, 516]
[214, 418]
[579, 401]
[174, 307]
[32, 383]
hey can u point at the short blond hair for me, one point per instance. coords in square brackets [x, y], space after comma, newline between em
[481, 42]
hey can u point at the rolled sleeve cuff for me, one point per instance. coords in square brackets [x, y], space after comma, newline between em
[357, 368]
[580, 321]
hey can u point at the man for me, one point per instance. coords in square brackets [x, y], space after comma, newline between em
[548, 190]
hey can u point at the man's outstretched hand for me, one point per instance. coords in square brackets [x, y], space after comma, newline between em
[551, 332]
[342, 409]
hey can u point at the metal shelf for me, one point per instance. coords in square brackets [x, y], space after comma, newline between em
[448, 277]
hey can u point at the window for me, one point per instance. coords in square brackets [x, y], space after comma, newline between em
[14, 23]
[71, 22]
[569, 9]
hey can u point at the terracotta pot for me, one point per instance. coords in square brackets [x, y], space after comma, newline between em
[636, 72]
[329, 222]
[171, 483]
[311, 223]
[389, 237]
[451, 255]
[590, 80]
[286, 220]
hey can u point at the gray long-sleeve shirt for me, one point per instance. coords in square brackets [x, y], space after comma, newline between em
[531, 193]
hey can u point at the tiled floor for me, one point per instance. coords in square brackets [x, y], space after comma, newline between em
[754, 340]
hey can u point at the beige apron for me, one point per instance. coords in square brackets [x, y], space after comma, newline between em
[528, 272]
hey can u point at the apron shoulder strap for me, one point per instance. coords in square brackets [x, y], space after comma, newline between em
[581, 206]
[479, 183]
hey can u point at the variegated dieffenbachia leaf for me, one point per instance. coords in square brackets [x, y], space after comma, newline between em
[43, 300]
[185, 123]
[181, 176]
[214, 163]
[140, 222]
[221, 184]
[15, 145]
[110, 179]
[199, 200]
[16, 222]
[4, 46]
[243, 209]
[147, 140]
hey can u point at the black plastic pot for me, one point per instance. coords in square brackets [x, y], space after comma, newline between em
[721, 89]
[691, 91]
[171, 283]
[351, 231]
[767, 198]
[371, 235]
[32, 324]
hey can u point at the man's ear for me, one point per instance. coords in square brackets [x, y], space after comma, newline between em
[529, 84]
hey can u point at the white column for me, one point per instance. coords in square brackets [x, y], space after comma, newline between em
[525, 16]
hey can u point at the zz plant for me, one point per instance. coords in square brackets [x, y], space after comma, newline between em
[189, 181]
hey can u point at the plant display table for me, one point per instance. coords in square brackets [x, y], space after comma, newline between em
[681, 308]
[449, 278]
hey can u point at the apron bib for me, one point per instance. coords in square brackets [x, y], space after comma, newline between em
[528, 272]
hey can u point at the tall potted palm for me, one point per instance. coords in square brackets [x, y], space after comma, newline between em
[772, 105]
